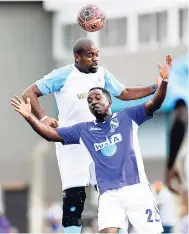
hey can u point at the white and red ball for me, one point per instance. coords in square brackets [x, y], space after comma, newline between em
[91, 18]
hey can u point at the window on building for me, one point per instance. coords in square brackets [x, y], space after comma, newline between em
[146, 29]
[72, 32]
[152, 28]
[114, 33]
[161, 24]
[183, 23]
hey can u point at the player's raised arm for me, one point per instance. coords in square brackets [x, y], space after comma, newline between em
[34, 93]
[50, 83]
[160, 94]
[119, 91]
[47, 132]
[137, 92]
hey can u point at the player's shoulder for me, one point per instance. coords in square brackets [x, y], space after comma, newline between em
[55, 79]
[82, 126]
[107, 74]
[88, 125]
[123, 113]
[102, 69]
[64, 70]
[60, 74]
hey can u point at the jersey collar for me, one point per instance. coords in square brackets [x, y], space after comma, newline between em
[111, 117]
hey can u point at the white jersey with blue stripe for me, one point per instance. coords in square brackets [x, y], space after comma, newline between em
[70, 87]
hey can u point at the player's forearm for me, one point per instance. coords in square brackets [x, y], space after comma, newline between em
[43, 130]
[137, 93]
[37, 110]
[157, 99]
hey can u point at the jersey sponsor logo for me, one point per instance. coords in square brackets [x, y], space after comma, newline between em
[82, 96]
[114, 124]
[109, 141]
[95, 129]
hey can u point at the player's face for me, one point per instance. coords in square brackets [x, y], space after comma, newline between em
[98, 103]
[88, 60]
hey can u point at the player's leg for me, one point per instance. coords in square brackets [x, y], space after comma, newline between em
[142, 211]
[73, 205]
[92, 173]
[168, 229]
[73, 164]
[111, 213]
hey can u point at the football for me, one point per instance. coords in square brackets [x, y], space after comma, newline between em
[91, 18]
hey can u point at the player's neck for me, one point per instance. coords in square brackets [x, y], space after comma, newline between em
[80, 69]
[103, 118]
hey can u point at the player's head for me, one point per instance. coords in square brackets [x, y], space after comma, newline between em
[180, 103]
[181, 110]
[99, 102]
[86, 55]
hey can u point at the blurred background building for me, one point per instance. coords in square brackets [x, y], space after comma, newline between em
[37, 37]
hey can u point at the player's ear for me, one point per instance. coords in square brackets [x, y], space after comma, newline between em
[77, 57]
[110, 103]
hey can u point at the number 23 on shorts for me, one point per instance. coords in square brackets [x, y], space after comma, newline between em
[150, 215]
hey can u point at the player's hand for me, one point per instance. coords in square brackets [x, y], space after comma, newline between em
[21, 107]
[164, 70]
[172, 175]
[51, 122]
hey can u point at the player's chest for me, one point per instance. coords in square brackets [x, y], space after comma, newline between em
[82, 83]
[112, 132]
[103, 144]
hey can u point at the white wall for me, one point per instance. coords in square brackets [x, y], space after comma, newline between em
[65, 12]
[112, 7]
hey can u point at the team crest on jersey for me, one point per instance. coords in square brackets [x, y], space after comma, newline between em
[114, 124]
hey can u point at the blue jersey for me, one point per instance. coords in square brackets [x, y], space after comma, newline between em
[113, 145]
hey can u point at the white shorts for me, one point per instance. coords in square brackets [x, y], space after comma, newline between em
[133, 203]
[76, 166]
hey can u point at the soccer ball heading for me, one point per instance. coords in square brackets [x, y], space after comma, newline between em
[91, 18]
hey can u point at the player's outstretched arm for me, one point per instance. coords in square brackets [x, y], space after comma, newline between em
[47, 132]
[137, 93]
[160, 94]
[34, 93]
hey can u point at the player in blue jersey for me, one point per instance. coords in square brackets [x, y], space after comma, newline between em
[70, 85]
[112, 142]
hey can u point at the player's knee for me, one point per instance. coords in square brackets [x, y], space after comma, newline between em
[73, 205]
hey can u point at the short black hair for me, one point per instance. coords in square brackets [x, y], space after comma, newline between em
[78, 46]
[179, 103]
[104, 91]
